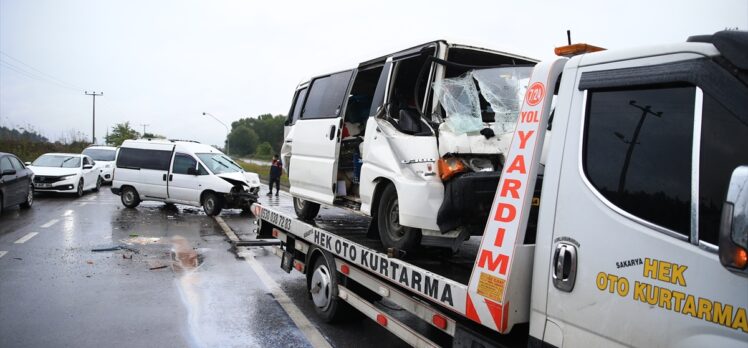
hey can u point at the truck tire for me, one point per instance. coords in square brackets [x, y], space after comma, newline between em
[391, 233]
[323, 287]
[130, 197]
[305, 210]
[212, 204]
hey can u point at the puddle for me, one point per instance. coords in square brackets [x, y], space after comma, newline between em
[140, 240]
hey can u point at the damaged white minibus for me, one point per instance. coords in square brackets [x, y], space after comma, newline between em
[416, 139]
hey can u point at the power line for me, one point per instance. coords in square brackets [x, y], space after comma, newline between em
[40, 72]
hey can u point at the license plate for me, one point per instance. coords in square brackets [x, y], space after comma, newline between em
[42, 185]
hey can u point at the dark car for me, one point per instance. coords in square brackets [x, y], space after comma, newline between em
[16, 186]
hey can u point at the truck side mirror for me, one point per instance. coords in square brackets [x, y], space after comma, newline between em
[733, 231]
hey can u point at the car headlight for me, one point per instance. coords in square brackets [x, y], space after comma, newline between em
[67, 176]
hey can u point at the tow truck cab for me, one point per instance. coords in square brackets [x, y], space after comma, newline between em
[647, 155]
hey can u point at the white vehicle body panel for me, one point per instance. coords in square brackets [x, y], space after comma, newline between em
[89, 176]
[315, 155]
[181, 188]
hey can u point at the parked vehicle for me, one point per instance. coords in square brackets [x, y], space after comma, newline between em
[416, 139]
[183, 172]
[16, 183]
[65, 173]
[104, 157]
[641, 238]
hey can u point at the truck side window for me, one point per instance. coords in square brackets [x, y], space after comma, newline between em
[297, 106]
[182, 162]
[724, 145]
[637, 151]
[326, 96]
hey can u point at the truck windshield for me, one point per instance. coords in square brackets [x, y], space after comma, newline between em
[481, 96]
[219, 163]
[60, 161]
[100, 154]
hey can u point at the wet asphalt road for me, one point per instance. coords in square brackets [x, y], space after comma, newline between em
[173, 283]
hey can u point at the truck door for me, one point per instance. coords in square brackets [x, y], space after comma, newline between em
[316, 139]
[288, 126]
[646, 162]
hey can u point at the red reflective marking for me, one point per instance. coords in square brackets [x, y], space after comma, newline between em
[382, 320]
[344, 269]
[496, 313]
[439, 321]
[470, 310]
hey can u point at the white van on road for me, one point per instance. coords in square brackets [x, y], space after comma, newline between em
[182, 172]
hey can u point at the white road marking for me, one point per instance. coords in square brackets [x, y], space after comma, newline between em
[312, 334]
[26, 238]
[67, 213]
[2, 253]
[50, 223]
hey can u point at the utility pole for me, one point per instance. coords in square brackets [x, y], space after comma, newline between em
[144, 125]
[93, 129]
[228, 131]
[646, 110]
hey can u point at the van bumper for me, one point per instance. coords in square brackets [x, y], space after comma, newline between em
[116, 190]
[241, 200]
[467, 202]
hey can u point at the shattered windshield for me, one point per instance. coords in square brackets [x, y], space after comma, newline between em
[502, 89]
[59, 161]
[219, 163]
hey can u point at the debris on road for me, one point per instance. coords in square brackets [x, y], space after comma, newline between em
[158, 267]
[115, 248]
[90, 262]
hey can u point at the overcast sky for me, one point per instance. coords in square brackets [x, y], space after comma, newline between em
[163, 63]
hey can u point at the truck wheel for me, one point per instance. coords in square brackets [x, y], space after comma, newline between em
[392, 234]
[29, 198]
[305, 210]
[212, 205]
[130, 197]
[323, 286]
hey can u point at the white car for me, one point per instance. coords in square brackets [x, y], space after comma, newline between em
[182, 172]
[65, 173]
[104, 157]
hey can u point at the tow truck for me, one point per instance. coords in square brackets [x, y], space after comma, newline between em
[642, 229]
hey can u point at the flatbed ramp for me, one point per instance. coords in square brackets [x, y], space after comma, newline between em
[430, 284]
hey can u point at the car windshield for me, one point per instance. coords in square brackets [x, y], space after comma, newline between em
[61, 161]
[219, 163]
[100, 154]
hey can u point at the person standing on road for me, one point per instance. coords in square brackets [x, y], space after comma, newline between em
[276, 169]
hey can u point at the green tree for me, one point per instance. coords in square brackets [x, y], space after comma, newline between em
[147, 135]
[121, 132]
[243, 140]
[264, 151]
[267, 127]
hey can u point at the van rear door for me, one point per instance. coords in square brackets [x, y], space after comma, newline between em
[316, 138]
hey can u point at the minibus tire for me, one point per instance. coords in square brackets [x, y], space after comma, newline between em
[212, 204]
[391, 233]
[305, 210]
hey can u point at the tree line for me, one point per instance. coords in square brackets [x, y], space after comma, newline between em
[259, 137]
